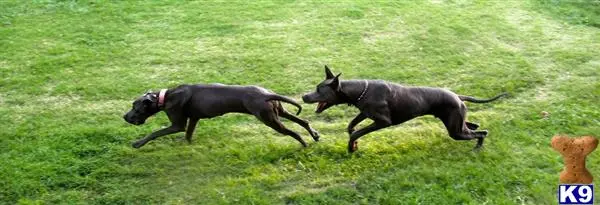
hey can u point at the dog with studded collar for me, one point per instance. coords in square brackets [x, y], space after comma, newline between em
[390, 104]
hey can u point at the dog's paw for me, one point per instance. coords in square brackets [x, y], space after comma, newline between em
[137, 144]
[472, 126]
[479, 146]
[315, 135]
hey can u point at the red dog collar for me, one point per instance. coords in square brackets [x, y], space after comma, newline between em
[161, 98]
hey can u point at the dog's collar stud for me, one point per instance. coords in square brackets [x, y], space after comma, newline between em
[161, 98]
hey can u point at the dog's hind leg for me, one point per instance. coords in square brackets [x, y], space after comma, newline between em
[313, 133]
[190, 129]
[458, 129]
[270, 119]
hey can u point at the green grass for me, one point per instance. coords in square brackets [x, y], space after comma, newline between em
[70, 70]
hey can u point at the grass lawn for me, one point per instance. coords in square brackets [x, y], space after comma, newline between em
[70, 70]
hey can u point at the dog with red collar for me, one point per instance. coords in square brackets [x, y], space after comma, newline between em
[185, 105]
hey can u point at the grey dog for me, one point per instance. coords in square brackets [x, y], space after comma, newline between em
[186, 104]
[390, 104]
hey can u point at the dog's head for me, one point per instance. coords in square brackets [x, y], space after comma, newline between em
[142, 108]
[327, 93]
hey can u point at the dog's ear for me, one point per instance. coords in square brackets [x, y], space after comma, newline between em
[148, 99]
[328, 73]
[335, 82]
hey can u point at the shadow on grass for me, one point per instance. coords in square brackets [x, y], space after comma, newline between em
[574, 12]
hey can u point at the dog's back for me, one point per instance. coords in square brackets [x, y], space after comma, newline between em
[414, 101]
[211, 100]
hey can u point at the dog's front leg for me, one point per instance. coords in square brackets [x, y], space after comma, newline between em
[359, 118]
[169, 130]
[353, 145]
[190, 129]
[178, 123]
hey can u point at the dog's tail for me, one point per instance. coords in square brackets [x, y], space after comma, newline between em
[285, 99]
[475, 100]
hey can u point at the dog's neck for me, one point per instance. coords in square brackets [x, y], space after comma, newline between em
[353, 91]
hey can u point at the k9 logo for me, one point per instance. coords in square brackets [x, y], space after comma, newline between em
[576, 194]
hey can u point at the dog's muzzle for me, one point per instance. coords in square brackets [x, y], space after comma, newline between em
[132, 121]
[305, 98]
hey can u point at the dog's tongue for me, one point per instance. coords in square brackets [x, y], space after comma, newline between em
[321, 106]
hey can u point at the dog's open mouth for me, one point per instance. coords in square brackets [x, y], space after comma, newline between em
[322, 106]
